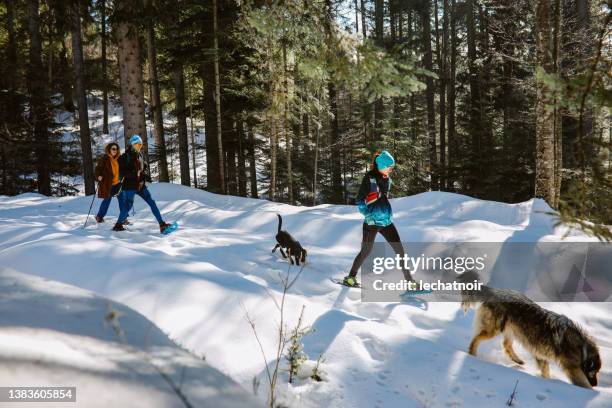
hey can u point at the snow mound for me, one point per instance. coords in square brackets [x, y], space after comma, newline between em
[53, 334]
[450, 207]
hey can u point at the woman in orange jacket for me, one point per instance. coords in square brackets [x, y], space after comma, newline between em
[107, 175]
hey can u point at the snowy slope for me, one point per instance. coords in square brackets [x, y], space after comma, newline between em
[53, 334]
[196, 284]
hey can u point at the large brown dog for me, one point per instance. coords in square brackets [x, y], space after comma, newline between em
[547, 335]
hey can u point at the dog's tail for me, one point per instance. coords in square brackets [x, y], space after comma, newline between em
[280, 222]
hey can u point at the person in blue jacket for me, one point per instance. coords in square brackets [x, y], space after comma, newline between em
[373, 203]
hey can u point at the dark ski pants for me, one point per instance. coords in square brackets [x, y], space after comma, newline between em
[367, 243]
[128, 203]
[106, 202]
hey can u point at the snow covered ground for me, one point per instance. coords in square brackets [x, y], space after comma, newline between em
[53, 334]
[197, 284]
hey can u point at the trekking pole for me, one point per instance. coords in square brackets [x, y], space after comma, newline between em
[91, 205]
[120, 188]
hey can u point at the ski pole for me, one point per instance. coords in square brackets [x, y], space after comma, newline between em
[91, 205]
[120, 188]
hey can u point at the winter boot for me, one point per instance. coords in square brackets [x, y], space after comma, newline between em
[163, 226]
[118, 227]
[126, 222]
[99, 219]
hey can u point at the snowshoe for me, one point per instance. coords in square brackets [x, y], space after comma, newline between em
[165, 228]
[347, 281]
[415, 292]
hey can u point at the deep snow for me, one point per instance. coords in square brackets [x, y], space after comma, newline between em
[53, 334]
[196, 284]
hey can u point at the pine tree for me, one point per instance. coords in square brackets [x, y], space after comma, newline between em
[39, 101]
[156, 106]
[79, 74]
[130, 71]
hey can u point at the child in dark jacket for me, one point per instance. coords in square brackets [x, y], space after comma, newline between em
[373, 203]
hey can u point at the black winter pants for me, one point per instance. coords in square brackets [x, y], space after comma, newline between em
[367, 243]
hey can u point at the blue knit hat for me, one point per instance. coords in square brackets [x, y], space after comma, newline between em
[384, 160]
[135, 139]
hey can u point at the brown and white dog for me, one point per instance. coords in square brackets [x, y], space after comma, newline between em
[548, 336]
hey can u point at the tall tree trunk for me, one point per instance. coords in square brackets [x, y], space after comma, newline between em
[288, 147]
[11, 115]
[476, 152]
[558, 144]
[52, 22]
[336, 157]
[13, 109]
[130, 73]
[357, 17]
[545, 184]
[230, 154]
[392, 21]
[273, 151]
[429, 93]
[379, 10]
[39, 109]
[158, 118]
[242, 182]
[379, 106]
[577, 47]
[507, 46]
[316, 163]
[452, 151]
[181, 123]
[252, 162]
[364, 31]
[79, 75]
[213, 181]
[271, 121]
[484, 99]
[103, 40]
[66, 78]
[335, 160]
[363, 107]
[218, 95]
[393, 15]
[178, 77]
[442, 59]
[193, 144]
